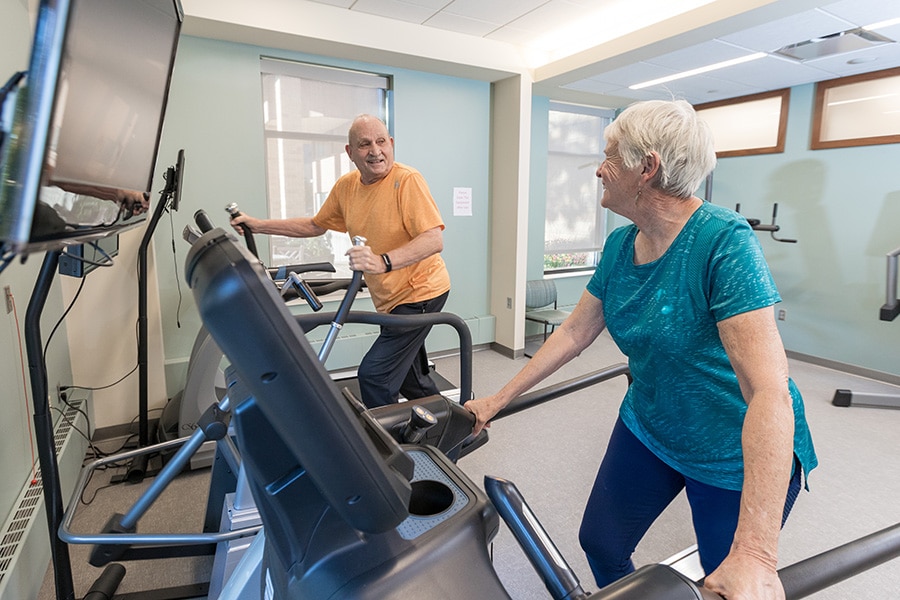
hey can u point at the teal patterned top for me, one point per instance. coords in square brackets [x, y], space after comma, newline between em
[685, 403]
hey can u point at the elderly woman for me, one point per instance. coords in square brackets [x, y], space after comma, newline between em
[688, 297]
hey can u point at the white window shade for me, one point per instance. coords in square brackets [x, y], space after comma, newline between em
[574, 227]
[307, 112]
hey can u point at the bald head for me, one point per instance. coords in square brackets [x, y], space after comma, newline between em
[371, 148]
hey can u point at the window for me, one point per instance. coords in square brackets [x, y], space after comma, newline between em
[748, 125]
[860, 110]
[575, 224]
[307, 111]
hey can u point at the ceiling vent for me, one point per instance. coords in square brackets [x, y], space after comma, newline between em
[836, 43]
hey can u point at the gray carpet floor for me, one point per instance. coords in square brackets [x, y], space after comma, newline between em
[551, 453]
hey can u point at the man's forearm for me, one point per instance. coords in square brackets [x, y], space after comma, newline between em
[296, 227]
[420, 247]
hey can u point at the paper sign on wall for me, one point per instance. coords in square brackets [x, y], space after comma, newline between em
[462, 202]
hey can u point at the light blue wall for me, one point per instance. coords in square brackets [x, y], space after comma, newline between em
[843, 205]
[441, 127]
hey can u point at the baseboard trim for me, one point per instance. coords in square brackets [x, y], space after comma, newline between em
[506, 351]
[846, 367]
[124, 430]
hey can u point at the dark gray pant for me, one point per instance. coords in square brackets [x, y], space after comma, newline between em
[397, 363]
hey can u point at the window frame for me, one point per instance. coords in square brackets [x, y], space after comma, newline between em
[602, 213]
[820, 112]
[279, 207]
[736, 104]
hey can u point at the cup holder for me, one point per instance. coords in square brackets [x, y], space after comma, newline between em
[429, 498]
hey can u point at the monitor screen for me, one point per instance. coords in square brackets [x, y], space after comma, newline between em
[78, 160]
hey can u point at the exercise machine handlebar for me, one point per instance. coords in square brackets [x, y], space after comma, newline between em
[282, 272]
[289, 274]
[661, 582]
[296, 283]
[203, 222]
[532, 399]
[121, 535]
[343, 309]
[558, 576]
[891, 307]
[823, 570]
[233, 213]
[310, 321]
[757, 225]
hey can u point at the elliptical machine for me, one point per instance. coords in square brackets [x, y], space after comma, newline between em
[352, 509]
[350, 512]
[205, 381]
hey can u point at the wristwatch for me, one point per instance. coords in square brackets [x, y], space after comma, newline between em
[387, 263]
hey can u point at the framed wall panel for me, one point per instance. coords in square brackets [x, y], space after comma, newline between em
[748, 125]
[861, 110]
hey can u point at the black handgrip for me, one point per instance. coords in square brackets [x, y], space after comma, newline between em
[281, 272]
[203, 222]
[420, 421]
[323, 287]
[105, 586]
[232, 210]
[304, 290]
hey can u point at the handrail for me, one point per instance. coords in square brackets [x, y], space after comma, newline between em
[137, 539]
[823, 570]
[531, 399]
[891, 306]
[310, 321]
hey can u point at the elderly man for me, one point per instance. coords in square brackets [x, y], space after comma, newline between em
[391, 206]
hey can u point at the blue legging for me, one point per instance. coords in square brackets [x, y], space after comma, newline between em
[632, 489]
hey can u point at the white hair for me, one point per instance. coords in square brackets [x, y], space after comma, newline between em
[672, 129]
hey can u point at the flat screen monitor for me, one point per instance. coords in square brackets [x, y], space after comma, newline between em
[79, 156]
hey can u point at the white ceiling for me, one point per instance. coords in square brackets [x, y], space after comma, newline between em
[586, 51]
[527, 23]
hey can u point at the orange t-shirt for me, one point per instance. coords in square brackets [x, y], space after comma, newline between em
[389, 213]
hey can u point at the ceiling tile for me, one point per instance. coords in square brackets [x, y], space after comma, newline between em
[460, 24]
[632, 74]
[338, 3]
[551, 16]
[771, 73]
[500, 12]
[790, 30]
[892, 32]
[863, 12]
[435, 5]
[701, 55]
[511, 35]
[394, 9]
[871, 59]
[702, 89]
[593, 86]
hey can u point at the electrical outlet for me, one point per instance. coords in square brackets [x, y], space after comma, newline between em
[60, 393]
[782, 314]
[508, 302]
[9, 299]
